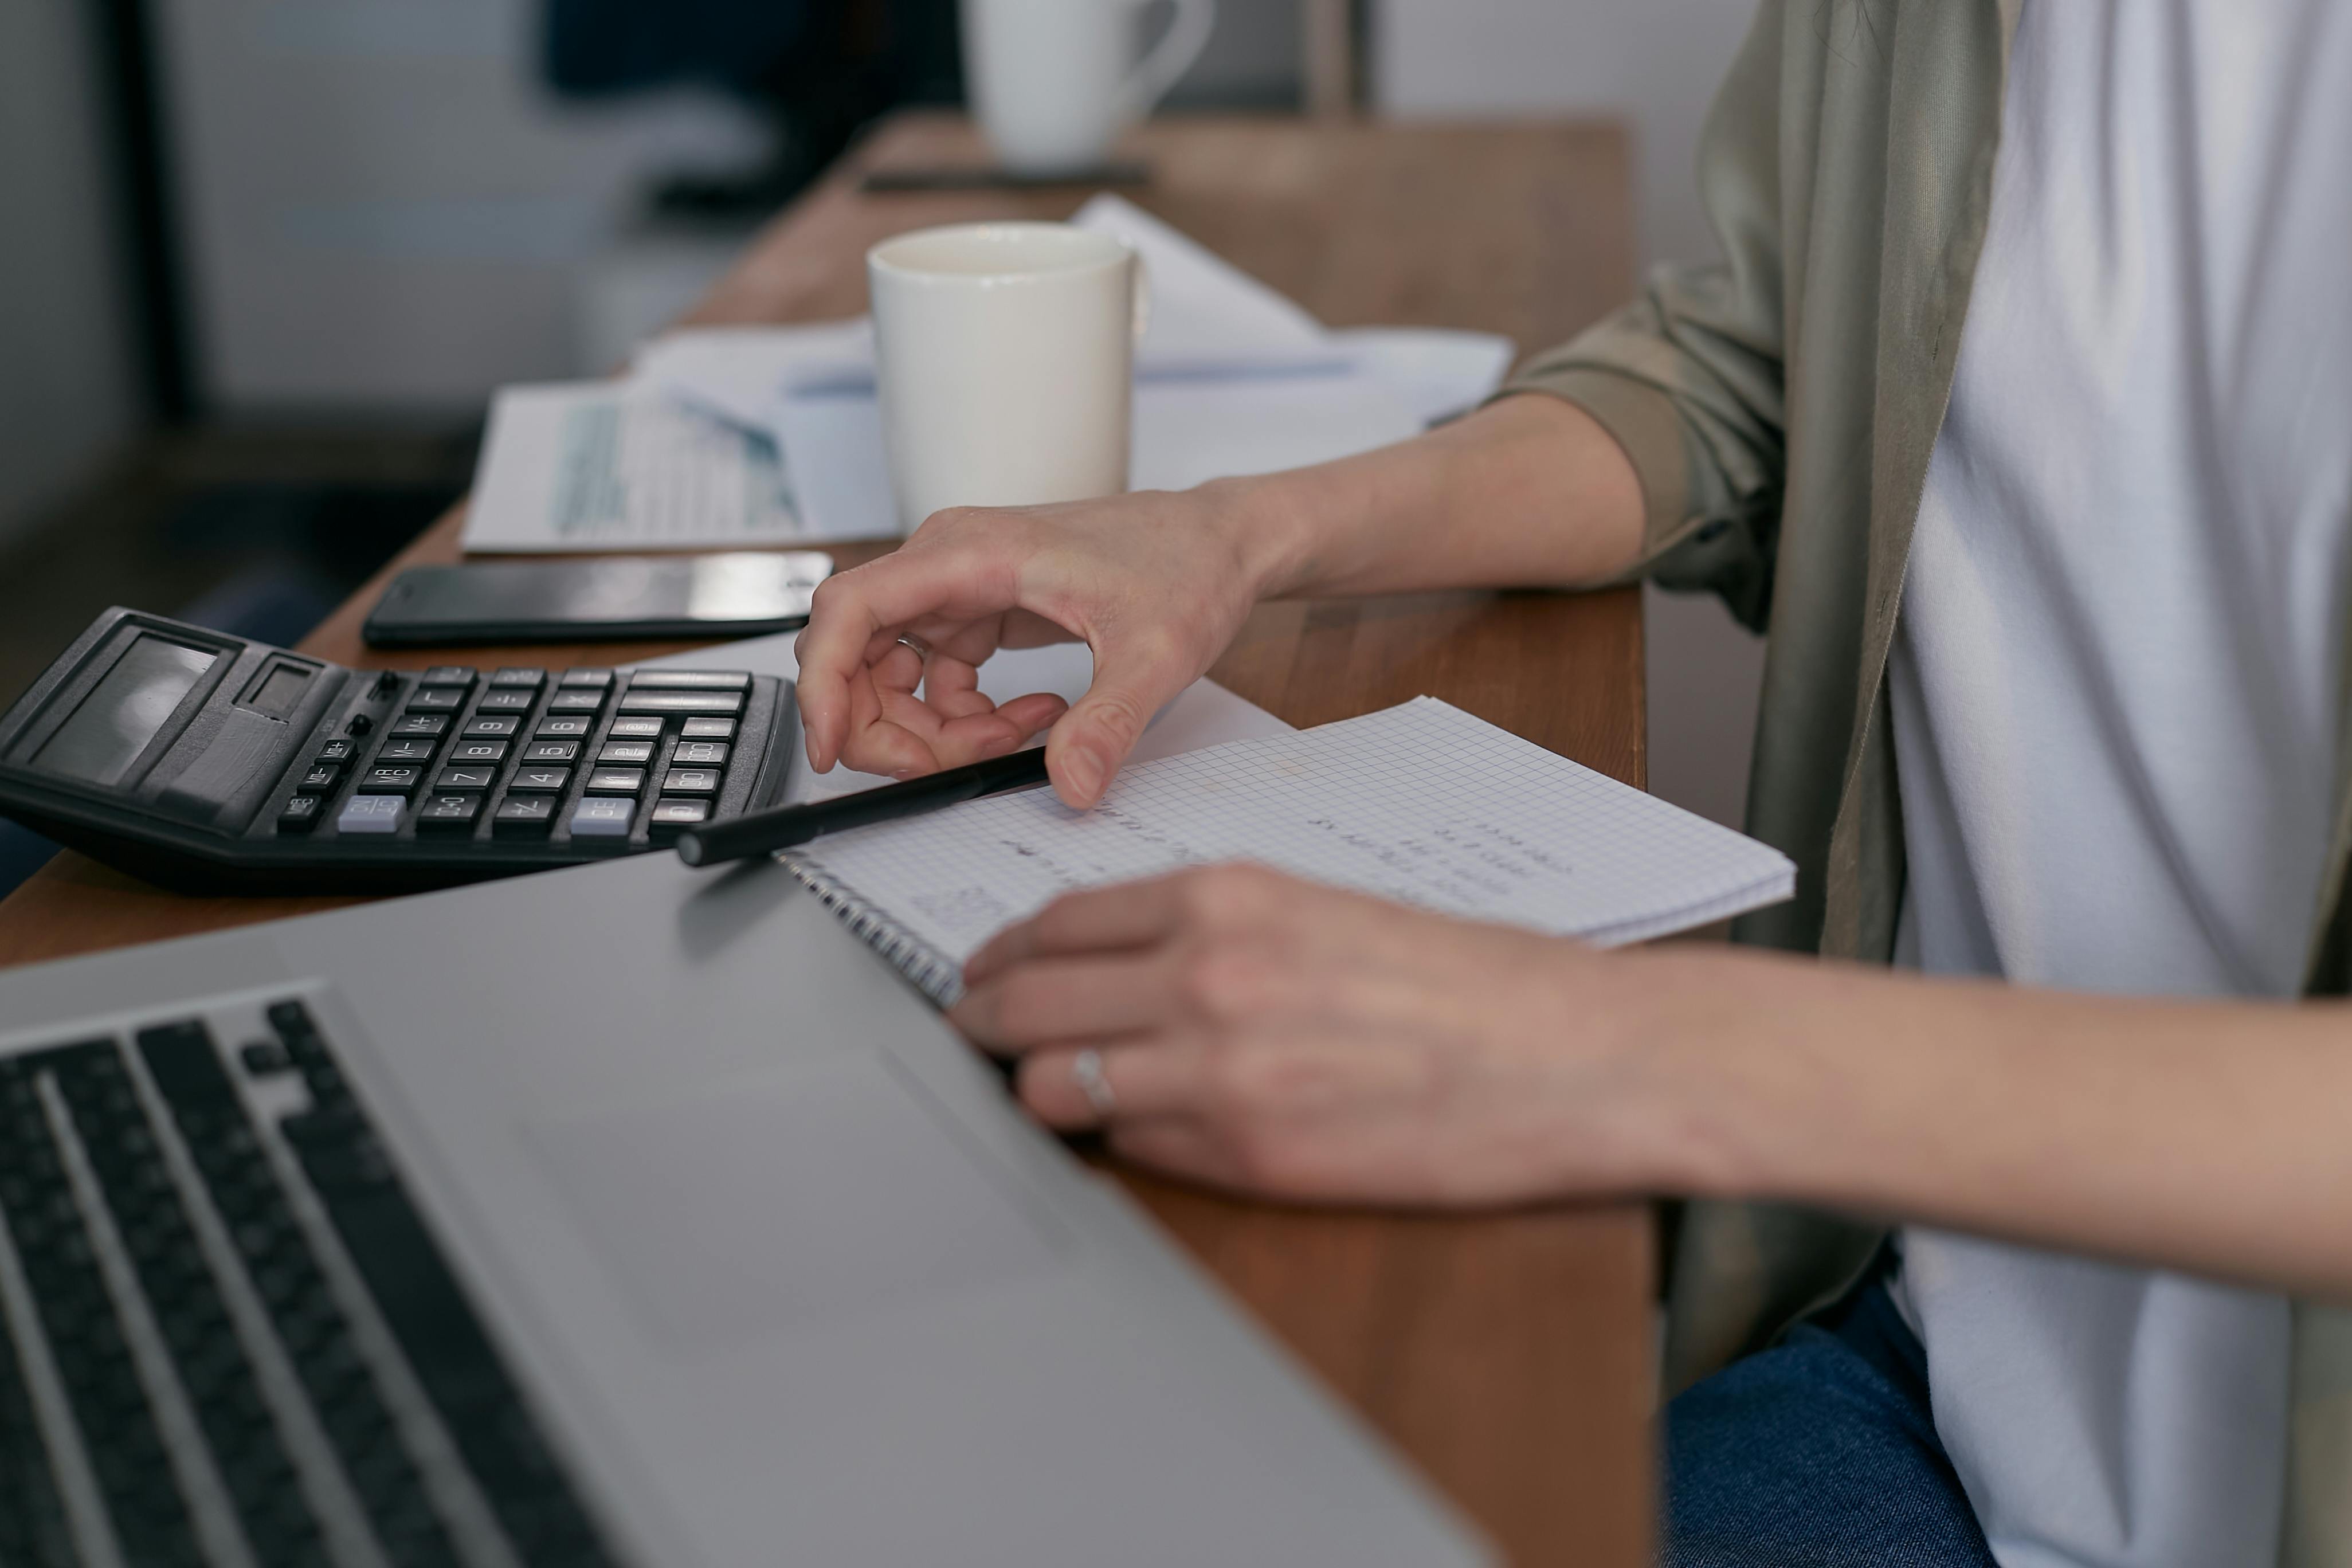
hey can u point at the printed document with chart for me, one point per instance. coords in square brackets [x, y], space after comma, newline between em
[1420, 803]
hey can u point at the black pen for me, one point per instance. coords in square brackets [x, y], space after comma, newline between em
[757, 832]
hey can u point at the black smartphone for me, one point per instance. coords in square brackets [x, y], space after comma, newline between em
[621, 597]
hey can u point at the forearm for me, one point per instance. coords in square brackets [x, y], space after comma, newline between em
[2204, 1136]
[1529, 492]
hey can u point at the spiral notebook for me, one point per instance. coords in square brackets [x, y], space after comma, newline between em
[1420, 803]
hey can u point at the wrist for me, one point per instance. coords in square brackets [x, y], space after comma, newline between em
[1267, 521]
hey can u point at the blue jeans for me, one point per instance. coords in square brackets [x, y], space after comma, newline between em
[1820, 1452]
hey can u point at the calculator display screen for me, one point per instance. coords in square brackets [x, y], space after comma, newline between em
[105, 735]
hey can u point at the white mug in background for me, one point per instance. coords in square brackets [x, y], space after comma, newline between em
[1054, 81]
[1005, 354]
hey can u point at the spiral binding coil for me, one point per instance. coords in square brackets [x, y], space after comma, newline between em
[933, 974]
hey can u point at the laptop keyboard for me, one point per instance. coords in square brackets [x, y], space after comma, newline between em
[182, 1381]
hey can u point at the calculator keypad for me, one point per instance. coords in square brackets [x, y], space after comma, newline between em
[527, 752]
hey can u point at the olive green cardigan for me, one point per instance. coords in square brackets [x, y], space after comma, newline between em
[1780, 408]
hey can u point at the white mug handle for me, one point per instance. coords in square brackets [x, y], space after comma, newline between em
[1170, 58]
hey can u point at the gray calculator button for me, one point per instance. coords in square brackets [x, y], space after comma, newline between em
[690, 680]
[627, 753]
[551, 751]
[616, 781]
[668, 813]
[634, 701]
[586, 677]
[449, 812]
[704, 728]
[567, 729]
[507, 699]
[479, 751]
[519, 675]
[539, 781]
[319, 779]
[636, 729]
[301, 813]
[701, 754]
[371, 813]
[576, 699]
[489, 726]
[603, 817]
[422, 724]
[454, 779]
[691, 781]
[447, 674]
[405, 751]
[437, 698]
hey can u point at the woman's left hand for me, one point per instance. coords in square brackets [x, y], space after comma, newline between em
[1261, 1033]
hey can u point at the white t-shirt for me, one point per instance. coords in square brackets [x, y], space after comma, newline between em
[2115, 693]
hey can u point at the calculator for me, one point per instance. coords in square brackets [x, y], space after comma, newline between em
[212, 764]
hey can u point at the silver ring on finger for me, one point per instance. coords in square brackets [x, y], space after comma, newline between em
[1087, 1072]
[922, 649]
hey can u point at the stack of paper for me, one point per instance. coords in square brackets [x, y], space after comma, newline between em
[729, 436]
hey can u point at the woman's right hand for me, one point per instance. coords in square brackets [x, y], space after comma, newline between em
[1156, 583]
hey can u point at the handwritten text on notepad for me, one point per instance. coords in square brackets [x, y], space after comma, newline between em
[1421, 804]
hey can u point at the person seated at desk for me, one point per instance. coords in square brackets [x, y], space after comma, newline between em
[2020, 411]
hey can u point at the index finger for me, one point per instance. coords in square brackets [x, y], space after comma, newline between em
[849, 611]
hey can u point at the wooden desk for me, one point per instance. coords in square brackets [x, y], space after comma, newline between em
[1509, 1355]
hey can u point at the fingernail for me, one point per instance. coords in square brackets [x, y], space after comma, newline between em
[1083, 774]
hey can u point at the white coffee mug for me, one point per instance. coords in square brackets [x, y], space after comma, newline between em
[1054, 81]
[1005, 353]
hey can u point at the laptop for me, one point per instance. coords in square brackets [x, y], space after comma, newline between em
[616, 1215]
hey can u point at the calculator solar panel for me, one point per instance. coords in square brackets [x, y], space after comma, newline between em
[209, 763]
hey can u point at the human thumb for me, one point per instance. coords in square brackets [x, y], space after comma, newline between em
[1093, 738]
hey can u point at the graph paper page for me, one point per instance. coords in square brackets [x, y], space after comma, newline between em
[1421, 804]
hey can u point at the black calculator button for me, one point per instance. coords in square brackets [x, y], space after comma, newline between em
[465, 779]
[392, 778]
[603, 817]
[524, 817]
[616, 781]
[551, 751]
[701, 754]
[436, 699]
[479, 751]
[690, 680]
[636, 729]
[337, 752]
[539, 781]
[489, 726]
[301, 813]
[449, 812]
[691, 781]
[405, 751]
[636, 702]
[387, 683]
[584, 677]
[672, 813]
[576, 699]
[422, 724]
[319, 780]
[360, 724]
[264, 1059]
[529, 678]
[378, 813]
[447, 674]
[507, 699]
[627, 753]
[565, 729]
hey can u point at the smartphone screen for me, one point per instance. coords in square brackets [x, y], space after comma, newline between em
[738, 594]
